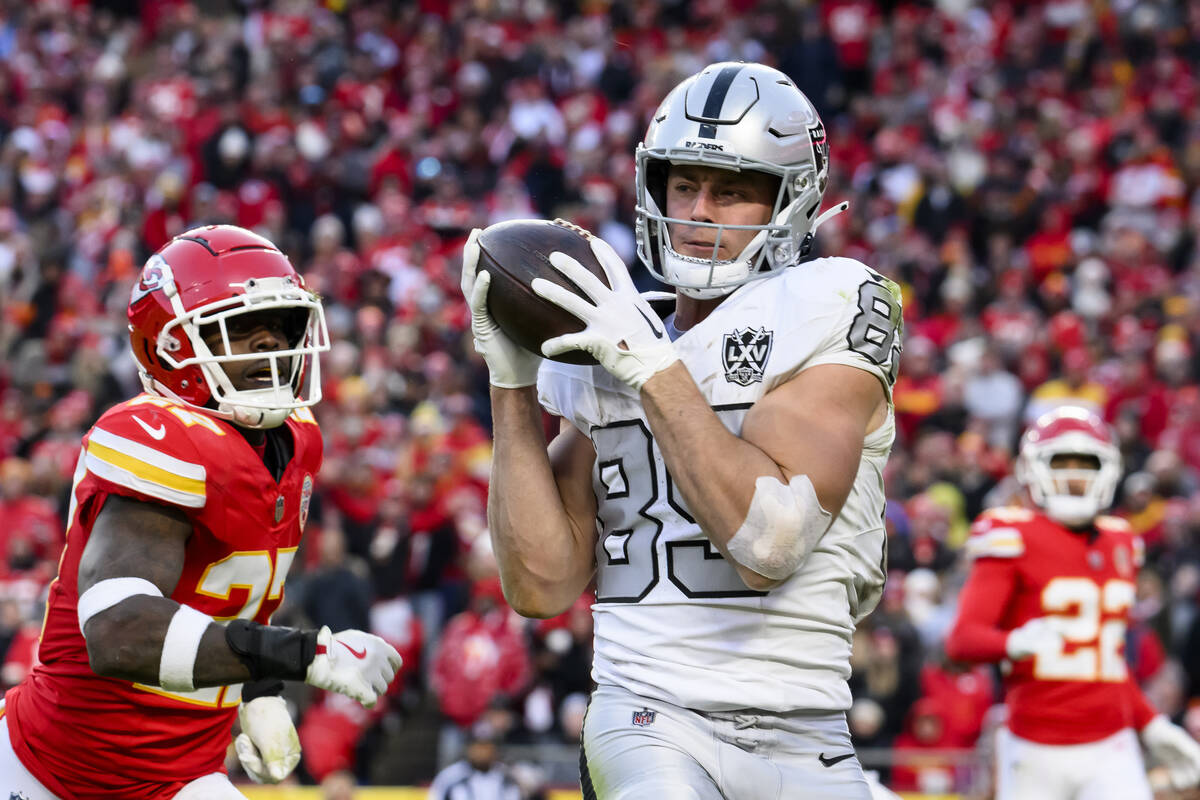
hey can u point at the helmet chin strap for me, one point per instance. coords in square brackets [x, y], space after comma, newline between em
[255, 416]
[1071, 510]
[828, 214]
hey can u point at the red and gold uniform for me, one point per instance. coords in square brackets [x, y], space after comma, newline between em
[1028, 566]
[84, 736]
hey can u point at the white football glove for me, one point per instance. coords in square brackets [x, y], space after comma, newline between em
[1174, 748]
[268, 746]
[510, 366]
[621, 331]
[357, 664]
[1037, 636]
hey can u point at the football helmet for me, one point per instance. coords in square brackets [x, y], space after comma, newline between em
[1069, 430]
[207, 277]
[735, 116]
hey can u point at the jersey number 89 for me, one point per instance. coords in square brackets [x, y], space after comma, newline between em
[638, 502]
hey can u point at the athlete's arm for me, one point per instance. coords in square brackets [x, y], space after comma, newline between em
[138, 636]
[976, 634]
[541, 509]
[812, 426]
[135, 539]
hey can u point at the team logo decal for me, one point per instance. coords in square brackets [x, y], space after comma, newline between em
[820, 146]
[745, 355]
[154, 276]
[305, 498]
[644, 717]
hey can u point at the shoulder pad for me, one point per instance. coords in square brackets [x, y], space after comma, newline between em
[150, 449]
[1001, 516]
[996, 542]
[1107, 522]
[1121, 527]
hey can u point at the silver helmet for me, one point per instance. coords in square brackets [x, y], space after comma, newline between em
[733, 116]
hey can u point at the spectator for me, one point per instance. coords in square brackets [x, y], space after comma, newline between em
[336, 592]
[925, 729]
[1075, 387]
[481, 656]
[1024, 218]
[479, 775]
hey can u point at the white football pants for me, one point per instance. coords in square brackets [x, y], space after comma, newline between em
[1108, 769]
[639, 749]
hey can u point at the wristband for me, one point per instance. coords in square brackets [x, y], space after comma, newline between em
[271, 651]
[177, 664]
[267, 687]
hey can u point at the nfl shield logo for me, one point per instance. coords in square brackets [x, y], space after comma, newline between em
[745, 355]
[643, 718]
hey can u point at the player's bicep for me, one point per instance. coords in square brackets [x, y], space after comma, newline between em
[572, 457]
[135, 539]
[815, 424]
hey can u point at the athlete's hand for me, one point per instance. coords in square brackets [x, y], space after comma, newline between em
[621, 331]
[268, 746]
[1175, 749]
[510, 366]
[356, 664]
[1038, 635]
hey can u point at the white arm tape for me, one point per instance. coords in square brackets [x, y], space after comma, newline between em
[110, 591]
[783, 525]
[180, 646]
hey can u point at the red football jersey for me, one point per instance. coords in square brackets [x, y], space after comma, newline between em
[1027, 566]
[84, 736]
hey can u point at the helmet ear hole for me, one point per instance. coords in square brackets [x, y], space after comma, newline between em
[152, 359]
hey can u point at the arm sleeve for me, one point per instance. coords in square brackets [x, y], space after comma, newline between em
[976, 634]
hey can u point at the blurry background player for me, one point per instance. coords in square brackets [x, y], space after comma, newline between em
[733, 460]
[1050, 590]
[187, 510]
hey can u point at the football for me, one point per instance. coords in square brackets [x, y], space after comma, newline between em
[516, 252]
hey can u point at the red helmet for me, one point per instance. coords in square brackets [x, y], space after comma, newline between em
[204, 277]
[1069, 430]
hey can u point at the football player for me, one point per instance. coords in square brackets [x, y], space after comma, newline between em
[1049, 594]
[720, 471]
[186, 512]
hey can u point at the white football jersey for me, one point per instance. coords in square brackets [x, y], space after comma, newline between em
[673, 620]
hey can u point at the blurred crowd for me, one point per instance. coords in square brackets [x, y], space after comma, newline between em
[1027, 170]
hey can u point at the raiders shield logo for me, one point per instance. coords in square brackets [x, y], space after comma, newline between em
[644, 717]
[745, 355]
